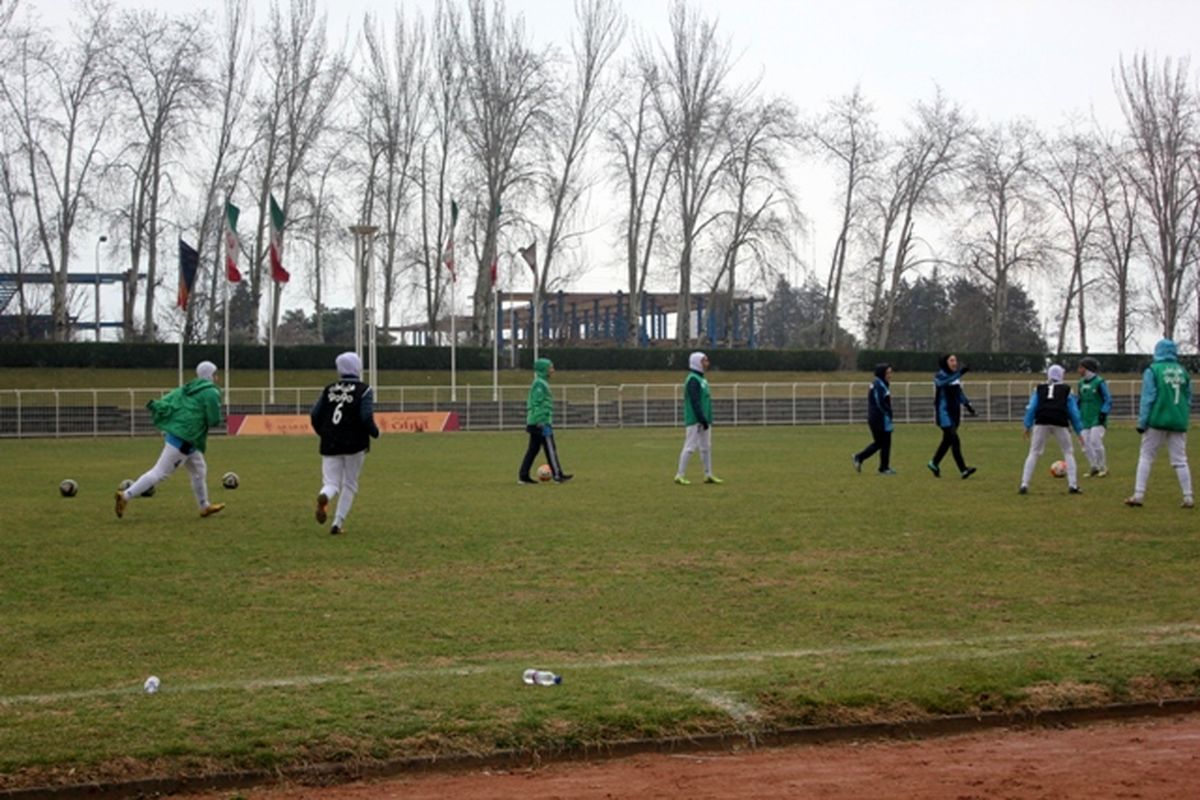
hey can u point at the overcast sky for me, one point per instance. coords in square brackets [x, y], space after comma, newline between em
[1000, 59]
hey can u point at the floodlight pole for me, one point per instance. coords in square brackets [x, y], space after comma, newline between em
[99, 241]
[364, 238]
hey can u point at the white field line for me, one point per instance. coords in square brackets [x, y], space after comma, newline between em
[983, 646]
[741, 712]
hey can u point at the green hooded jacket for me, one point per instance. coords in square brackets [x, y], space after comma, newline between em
[188, 412]
[539, 407]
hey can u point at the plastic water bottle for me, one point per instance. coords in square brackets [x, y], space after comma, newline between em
[541, 677]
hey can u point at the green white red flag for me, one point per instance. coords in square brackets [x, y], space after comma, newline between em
[448, 254]
[278, 273]
[233, 245]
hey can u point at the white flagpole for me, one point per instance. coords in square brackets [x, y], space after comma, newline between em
[453, 339]
[496, 341]
[271, 344]
[228, 382]
[181, 357]
[535, 314]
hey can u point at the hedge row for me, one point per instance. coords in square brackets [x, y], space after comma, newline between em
[904, 361]
[164, 356]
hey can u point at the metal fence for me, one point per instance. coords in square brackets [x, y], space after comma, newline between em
[122, 412]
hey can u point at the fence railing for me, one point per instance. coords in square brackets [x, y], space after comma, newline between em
[122, 412]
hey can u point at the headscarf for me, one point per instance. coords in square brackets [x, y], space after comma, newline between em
[696, 362]
[206, 370]
[1055, 373]
[349, 364]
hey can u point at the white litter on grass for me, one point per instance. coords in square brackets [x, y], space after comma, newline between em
[889, 652]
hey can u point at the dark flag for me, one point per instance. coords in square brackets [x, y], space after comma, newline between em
[189, 262]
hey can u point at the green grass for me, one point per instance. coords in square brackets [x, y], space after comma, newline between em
[799, 592]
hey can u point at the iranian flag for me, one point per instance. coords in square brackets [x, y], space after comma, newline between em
[233, 245]
[278, 273]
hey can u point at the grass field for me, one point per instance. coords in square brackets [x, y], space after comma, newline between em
[797, 593]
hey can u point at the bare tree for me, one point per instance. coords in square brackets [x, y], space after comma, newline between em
[756, 184]
[304, 74]
[912, 184]
[694, 110]
[235, 69]
[579, 109]
[438, 155]
[155, 63]
[55, 97]
[1006, 233]
[848, 137]
[1119, 213]
[1160, 108]
[1066, 175]
[506, 93]
[392, 113]
[644, 165]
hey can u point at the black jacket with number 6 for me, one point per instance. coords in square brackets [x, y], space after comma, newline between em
[344, 417]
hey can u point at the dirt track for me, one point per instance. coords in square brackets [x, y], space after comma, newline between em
[1155, 759]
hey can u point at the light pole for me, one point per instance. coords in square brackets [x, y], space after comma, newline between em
[364, 238]
[99, 242]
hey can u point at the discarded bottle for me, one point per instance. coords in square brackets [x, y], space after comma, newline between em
[541, 677]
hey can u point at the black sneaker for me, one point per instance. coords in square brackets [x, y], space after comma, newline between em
[856, 462]
[527, 481]
[563, 478]
[336, 530]
[968, 472]
[935, 469]
[1023, 490]
[1074, 490]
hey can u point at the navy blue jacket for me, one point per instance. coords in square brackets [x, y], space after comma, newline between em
[949, 399]
[879, 405]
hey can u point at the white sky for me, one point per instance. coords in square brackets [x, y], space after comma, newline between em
[1000, 59]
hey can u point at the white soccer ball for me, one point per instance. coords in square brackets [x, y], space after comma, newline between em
[68, 488]
[151, 685]
[230, 480]
[1059, 469]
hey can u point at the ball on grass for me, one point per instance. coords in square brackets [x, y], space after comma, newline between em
[230, 480]
[68, 488]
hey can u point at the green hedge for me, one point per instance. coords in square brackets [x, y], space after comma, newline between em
[164, 356]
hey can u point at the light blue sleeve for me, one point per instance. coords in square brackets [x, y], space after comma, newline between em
[1105, 398]
[1149, 395]
[1031, 409]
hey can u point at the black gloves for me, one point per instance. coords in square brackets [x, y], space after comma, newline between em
[1141, 430]
[964, 369]
[970, 409]
[1103, 418]
[703, 425]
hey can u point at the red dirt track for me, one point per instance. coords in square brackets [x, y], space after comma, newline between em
[1142, 759]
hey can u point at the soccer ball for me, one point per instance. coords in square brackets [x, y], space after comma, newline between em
[1059, 469]
[68, 488]
[124, 485]
[544, 473]
[229, 480]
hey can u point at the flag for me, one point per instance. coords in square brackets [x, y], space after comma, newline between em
[495, 269]
[448, 256]
[530, 256]
[189, 262]
[232, 245]
[278, 273]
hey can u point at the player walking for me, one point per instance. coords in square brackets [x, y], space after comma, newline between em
[948, 401]
[539, 424]
[1095, 404]
[879, 420]
[184, 415]
[1163, 417]
[344, 418]
[697, 420]
[1051, 408]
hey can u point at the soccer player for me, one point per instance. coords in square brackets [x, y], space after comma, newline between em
[184, 415]
[879, 420]
[539, 424]
[1095, 403]
[948, 401]
[1051, 408]
[697, 419]
[344, 418]
[1163, 417]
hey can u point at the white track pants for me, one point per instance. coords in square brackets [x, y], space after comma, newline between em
[1037, 444]
[1093, 447]
[340, 477]
[696, 438]
[167, 463]
[1152, 441]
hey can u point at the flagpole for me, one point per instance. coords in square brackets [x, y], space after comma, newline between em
[496, 340]
[453, 339]
[535, 314]
[180, 359]
[228, 382]
[271, 346]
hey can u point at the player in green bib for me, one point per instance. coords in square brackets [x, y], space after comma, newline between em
[697, 419]
[1163, 417]
[1095, 404]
